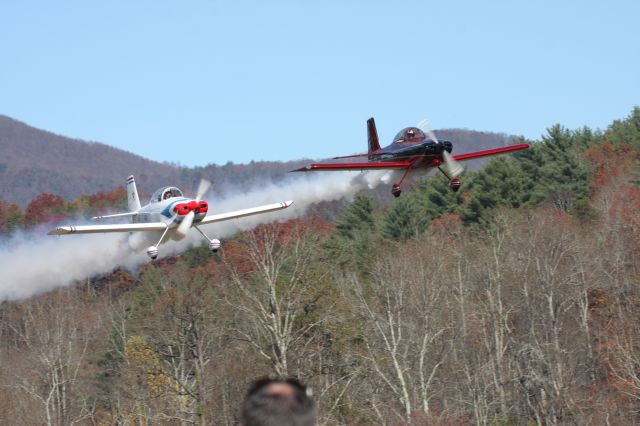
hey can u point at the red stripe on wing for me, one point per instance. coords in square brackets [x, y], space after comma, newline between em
[488, 152]
[355, 166]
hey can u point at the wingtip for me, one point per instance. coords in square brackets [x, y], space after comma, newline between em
[60, 230]
[520, 146]
[305, 168]
[287, 203]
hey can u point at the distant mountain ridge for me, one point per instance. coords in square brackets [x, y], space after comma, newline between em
[35, 161]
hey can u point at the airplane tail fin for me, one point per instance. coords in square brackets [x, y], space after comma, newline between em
[372, 136]
[133, 201]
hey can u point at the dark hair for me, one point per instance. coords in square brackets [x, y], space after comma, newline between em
[278, 402]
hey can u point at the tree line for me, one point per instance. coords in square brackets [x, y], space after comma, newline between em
[50, 208]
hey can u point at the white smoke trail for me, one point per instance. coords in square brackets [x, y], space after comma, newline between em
[33, 262]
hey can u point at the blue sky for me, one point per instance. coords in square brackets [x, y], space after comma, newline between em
[199, 82]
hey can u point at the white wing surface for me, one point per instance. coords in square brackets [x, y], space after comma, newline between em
[98, 229]
[246, 212]
[160, 226]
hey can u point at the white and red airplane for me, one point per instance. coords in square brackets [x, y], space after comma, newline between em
[169, 213]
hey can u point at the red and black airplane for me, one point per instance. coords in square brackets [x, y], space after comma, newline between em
[411, 149]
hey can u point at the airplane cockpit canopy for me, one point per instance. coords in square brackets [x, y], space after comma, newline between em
[409, 134]
[165, 193]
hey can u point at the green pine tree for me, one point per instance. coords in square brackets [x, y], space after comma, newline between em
[405, 219]
[564, 176]
[627, 130]
[438, 198]
[354, 238]
[501, 182]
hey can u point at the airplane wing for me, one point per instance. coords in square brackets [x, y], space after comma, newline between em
[489, 152]
[98, 229]
[161, 226]
[246, 212]
[382, 165]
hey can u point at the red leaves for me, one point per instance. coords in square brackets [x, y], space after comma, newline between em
[107, 199]
[44, 208]
[53, 208]
[626, 207]
[610, 161]
[448, 225]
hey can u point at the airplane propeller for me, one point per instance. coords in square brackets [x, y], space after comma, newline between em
[186, 223]
[452, 165]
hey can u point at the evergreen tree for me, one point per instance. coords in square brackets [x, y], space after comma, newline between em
[585, 138]
[404, 219]
[501, 182]
[438, 199]
[551, 170]
[355, 235]
[627, 130]
[410, 216]
[10, 217]
[564, 175]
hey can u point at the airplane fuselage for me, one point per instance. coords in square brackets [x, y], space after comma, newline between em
[425, 153]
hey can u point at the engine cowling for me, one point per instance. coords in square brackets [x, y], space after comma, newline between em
[202, 207]
[182, 209]
[198, 207]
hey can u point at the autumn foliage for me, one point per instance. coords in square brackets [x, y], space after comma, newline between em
[610, 161]
[52, 209]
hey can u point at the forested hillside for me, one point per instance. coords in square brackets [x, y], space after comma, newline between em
[513, 301]
[34, 161]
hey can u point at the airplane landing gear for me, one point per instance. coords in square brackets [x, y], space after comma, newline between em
[152, 252]
[454, 183]
[214, 245]
[395, 189]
